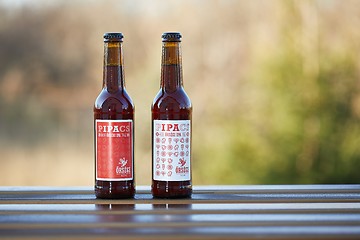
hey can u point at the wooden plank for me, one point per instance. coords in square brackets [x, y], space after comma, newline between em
[176, 220]
[236, 232]
[230, 212]
[196, 198]
[216, 189]
[179, 208]
[222, 194]
[310, 188]
[229, 194]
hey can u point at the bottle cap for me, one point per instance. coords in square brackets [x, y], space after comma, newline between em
[171, 37]
[113, 37]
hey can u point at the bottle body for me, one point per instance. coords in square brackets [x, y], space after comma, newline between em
[171, 127]
[114, 127]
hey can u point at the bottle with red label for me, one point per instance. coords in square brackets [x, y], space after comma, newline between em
[114, 127]
[171, 126]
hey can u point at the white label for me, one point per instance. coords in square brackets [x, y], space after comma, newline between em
[171, 150]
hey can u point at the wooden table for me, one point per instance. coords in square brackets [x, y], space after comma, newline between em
[214, 212]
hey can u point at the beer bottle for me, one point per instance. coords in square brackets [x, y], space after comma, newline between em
[171, 126]
[114, 127]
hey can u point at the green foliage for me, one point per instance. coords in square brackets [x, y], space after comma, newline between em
[308, 130]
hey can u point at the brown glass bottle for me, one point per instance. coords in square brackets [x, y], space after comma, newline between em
[171, 126]
[114, 127]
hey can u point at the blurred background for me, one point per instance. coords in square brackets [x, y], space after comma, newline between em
[275, 87]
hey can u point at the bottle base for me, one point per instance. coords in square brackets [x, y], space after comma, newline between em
[171, 197]
[114, 190]
[113, 196]
[171, 190]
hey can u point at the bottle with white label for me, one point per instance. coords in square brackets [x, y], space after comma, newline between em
[171, 126]
[114, 127]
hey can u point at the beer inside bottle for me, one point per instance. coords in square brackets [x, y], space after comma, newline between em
[114, 127]
[171, 126]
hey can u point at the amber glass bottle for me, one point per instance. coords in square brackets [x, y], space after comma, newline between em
[171, 126]
[114, 127]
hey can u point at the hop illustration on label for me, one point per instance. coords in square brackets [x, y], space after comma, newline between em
[123, 162]
[182, 162]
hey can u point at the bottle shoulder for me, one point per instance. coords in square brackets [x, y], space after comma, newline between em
[172, 100]
[121, 99]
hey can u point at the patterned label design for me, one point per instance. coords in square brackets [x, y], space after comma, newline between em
[171, 150]
[114, 150]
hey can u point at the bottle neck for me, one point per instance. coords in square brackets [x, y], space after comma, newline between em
[113, 67]
[171, 67]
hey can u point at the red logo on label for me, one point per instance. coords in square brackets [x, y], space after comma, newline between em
[114, 150]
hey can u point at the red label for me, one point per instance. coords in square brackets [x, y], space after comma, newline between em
[114, 150]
